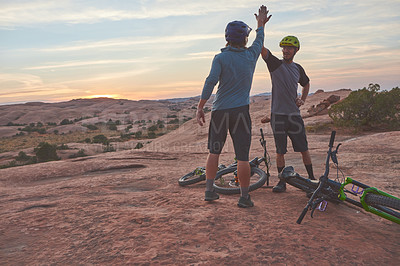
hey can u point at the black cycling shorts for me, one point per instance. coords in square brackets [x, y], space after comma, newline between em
[292, 126]
[238, 122]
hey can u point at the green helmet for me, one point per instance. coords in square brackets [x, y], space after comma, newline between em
[290, 41]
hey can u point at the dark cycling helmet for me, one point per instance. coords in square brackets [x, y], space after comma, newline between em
[290, 41]
[236, 32]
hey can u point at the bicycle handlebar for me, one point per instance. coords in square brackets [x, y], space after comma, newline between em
[323, 179]
[301, 217]
[333, 134]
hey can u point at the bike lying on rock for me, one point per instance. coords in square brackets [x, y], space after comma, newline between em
[369, 198]
[226, 180]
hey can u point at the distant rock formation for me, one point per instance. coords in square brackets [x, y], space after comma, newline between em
[322, 107]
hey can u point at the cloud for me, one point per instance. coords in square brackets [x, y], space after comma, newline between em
[111, 76]
[74, 64]
[28, 13]
[129, 42]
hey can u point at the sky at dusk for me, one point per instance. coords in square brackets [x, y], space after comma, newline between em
[156, 49]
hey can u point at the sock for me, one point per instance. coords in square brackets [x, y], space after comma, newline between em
[209, 184]
[280, 169]
[244, 192]
[310, 172]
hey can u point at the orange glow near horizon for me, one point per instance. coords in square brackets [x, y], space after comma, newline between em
[113, 96]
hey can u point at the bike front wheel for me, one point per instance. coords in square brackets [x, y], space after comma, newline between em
[381, 200]
[226, 181]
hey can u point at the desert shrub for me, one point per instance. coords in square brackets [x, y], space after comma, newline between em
[109, 148]
[41, 130]
[91, 127]
[46, 152]
[153, 128]
[31, 128]
[22, 156]
[151, 135]
[138, 134]
[112, 127]
[27, 129]
[63, 147]
[13, 124]
[100, 139]
[139, 145]
[66, 122]
[368, 108]
[125, 136]
[80, 153]
[88, 140]
[174, 121]
[10, 164]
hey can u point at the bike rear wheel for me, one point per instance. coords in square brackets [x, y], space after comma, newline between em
[301, 183]
[197, 175]
[226, 180]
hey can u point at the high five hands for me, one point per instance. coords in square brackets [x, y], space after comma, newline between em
[262, 17]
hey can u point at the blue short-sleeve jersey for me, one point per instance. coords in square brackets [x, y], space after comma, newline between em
[233, 68]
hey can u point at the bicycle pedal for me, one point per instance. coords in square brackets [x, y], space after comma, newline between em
[322, 206]
[356, 189]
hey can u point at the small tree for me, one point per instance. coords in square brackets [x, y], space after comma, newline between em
[153, 128]
[91, 127]
[138, 134]
[368, 108]
[139, 145]
[22, 156]
[46, 152]
[66, 122]
[112, 127]
[100, 139]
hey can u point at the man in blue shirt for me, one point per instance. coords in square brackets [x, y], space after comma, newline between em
[233, 68]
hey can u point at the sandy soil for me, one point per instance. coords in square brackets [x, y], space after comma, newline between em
[127, 208]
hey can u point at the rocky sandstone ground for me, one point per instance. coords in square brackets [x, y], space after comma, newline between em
[126, 207]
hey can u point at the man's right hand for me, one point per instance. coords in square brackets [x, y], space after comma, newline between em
[200, 117]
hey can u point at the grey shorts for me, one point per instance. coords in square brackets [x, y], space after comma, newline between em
[291, 126]
[235, 120]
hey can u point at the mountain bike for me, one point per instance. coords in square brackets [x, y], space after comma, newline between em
[226, 180]
[369, 198]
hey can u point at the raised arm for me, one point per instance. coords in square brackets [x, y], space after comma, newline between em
[262, 19]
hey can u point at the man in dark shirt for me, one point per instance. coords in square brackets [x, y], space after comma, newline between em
[285, 114]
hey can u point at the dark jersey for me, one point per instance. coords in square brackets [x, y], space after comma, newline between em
[285, 79]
